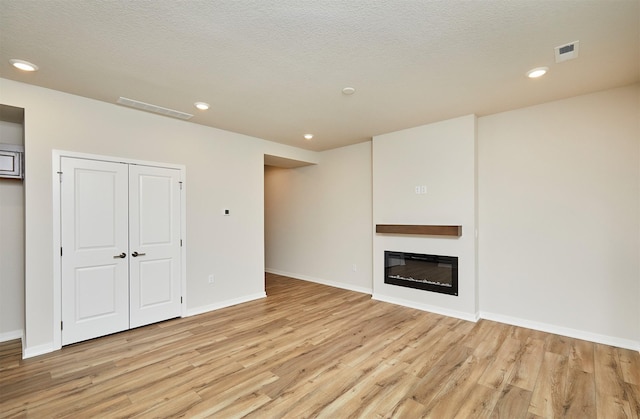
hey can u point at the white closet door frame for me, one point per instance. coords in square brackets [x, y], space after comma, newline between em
[56, 157]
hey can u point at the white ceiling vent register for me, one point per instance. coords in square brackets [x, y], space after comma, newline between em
[567, 51]
[153, 108]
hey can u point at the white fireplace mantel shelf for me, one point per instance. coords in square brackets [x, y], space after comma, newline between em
[427, 230]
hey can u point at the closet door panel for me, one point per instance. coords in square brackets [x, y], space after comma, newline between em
[154, 237]
[95, 271]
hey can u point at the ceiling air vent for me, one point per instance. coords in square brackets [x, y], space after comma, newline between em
[567, 51]
[153, 108]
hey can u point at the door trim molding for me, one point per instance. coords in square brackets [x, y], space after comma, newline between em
[56, 156]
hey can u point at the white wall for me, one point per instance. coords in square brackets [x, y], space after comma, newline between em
[559, 180]
[223, 170]
[442, 157]
[318, 219]
[559, 209]
[11, 244]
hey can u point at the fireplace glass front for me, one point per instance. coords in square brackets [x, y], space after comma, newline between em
[426, 272]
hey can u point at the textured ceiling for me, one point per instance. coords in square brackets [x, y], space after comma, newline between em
[275, 69]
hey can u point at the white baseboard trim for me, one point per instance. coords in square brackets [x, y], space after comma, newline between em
[224, 304]
[564, 331]
[427, 307]
[334, 284]
[12, 335]
[30, 352]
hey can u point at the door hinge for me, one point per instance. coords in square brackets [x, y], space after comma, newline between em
[180, 242]
[61, 325]
[60, 251]
[60, 175]
[180, 300]
[180, 182]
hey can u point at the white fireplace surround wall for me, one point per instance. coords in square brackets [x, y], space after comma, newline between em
[440, 159]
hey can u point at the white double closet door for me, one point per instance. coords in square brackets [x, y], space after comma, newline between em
[120, 247]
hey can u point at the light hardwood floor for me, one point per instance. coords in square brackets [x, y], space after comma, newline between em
[310, 350]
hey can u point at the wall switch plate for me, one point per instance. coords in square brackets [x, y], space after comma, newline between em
[211, 279]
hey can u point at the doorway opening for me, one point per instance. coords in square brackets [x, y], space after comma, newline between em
[12, 244]
[276, 170]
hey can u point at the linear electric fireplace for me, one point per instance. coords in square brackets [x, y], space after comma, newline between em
[425, 272]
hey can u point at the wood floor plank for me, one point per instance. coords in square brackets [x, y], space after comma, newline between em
[50, 397]
[452, 395]
[501, 367]
[487, 332]
[431, 355]
[527, 364]
[479, 403]
[305, 397]
[244, 405]
[24, 386]
[580, 395]
[309, 350]
[548, 394]
[215, 399]
[103, 408]
[486, 344]
[513, 403]
[629, 361]
[428, 389]
[357, 401]
[581, 355]
[610, 407]
[612, 395]
[558, 344]
[407, 408]
[633, 394]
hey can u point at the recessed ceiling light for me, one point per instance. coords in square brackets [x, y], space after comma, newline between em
[308, 136]
[537, 72]
[202, 106]
[23, 65]
[348, 91]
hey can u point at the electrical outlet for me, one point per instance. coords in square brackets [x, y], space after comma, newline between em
[211, 279]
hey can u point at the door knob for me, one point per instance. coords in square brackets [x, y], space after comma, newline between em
[136, 254]
[120, 256]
